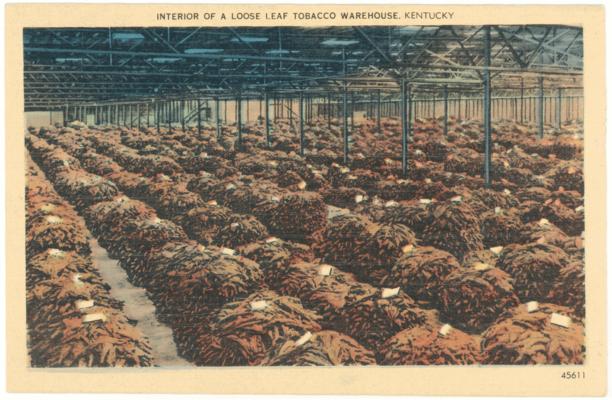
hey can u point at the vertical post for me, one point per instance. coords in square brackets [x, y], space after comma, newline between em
[378, 121]
[487, 106]
[302, 123]
[522, 111]
[131, 116]
[459, 106]
[239, 118]
[157, 117]
[445, 110]
[559, 93]
[541, 107]
[329, 110]
[352, 112]
[138, 114]
[267, 116]
[199, 115]
[345, 111]
[217, 118]
[291, 110]
[433, 106]
[65, 115]
[404, 119]
[248, 102]
[182, 112]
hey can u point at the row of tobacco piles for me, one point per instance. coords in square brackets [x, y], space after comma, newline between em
[255, 255]
[73, 321]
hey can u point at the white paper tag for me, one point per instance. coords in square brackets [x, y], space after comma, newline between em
[57, 253]
[506, 191]
[457, 199]
[579, 209]
[427, 180]
[543, 222]
[234, 225]
[301, 185]
[425, 201]
[388, 161]
[407, 248]
[445, 330]
[259, 305]
[560, 320]
[498, 210]
[227, 251]
[304, 339]
[82, 304]
[54, 219]
[76, 278]
[325, 269]
[358, 198]
[344, 170]
[230, 186]
[388, 292]
[480, 266]
[48, 207]
[391, 203]
[94, 317]
[532, 306]
[496, 250]
[212, 203]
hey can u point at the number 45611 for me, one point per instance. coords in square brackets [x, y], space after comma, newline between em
[573, 375]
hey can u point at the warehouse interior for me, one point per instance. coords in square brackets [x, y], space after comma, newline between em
[391, 195]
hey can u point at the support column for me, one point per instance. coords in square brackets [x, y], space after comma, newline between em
[352, 112]
[248, 102]
[138, 114]
[405, 121]
[157, 117]
[217, 118]
[541, 108]
[329, 111]
[559, 94]
[378, 119]
[267, 117]
[199, 115]
[131, 116]
[487, 105]
[445, 110]
[302, 124]
[345, 132]
[291, 110]
[65, 116]
[182, 112]
[239, 118]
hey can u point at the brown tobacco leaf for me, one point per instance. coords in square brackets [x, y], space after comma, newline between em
[322, 348]
[424, 345]
[521, 337]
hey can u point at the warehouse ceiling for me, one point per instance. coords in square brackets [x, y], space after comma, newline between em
[65, 66]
